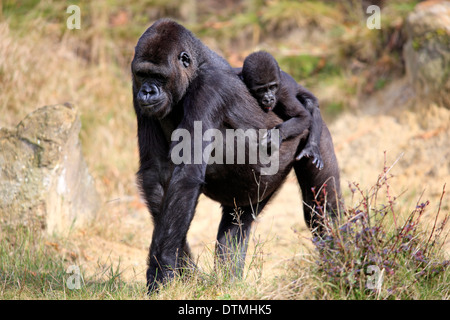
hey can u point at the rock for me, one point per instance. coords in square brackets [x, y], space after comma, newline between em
[44, 180]
[427, 51]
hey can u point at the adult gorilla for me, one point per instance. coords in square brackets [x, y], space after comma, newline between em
[177, 81]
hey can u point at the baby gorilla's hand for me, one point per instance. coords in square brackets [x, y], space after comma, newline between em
[312, 151]
[266, 140]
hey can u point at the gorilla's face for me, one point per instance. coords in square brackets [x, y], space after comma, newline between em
[266, 95]
[152, 97]
[261, 75]
[161, 69]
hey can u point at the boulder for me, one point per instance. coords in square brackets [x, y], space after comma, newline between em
[427, 51]
[44, 180]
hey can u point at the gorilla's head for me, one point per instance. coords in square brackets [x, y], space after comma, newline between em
[165, 62]
[261, 75]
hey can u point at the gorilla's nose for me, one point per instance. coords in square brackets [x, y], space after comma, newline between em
[150, 89]
[268, 101]
[149, 94]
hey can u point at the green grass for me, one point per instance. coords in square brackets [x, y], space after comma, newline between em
[33, 267]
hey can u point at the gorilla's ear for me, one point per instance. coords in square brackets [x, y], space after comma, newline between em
[185, 59]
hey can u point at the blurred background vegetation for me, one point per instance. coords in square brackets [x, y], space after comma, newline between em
[325, 45]
[315, 41]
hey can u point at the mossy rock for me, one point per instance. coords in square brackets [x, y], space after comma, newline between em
[427, 51]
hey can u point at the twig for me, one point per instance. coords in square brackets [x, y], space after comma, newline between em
[435, 220]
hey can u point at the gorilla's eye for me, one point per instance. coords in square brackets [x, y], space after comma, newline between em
[185, 59]
[141, 74]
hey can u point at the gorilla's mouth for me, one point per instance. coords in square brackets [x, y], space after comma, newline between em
[152, 106]
[146, 105]
[268, 107]
[157, 109]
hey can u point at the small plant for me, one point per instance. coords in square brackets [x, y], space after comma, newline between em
[366, 254]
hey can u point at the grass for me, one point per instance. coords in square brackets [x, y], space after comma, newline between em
[373, 252]
[39, 267]
[34, 267]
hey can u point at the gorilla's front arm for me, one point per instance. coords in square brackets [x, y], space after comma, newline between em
[169, 235]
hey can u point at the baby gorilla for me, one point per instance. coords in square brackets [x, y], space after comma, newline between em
[276, 90]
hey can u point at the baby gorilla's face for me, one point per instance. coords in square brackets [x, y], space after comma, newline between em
[261, 75]
[266, 95]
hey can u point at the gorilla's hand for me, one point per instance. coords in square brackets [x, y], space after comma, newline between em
[267, 137]
[311, 150]
[266, 140]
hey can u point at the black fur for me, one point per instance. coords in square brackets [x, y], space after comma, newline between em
[177, 80]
